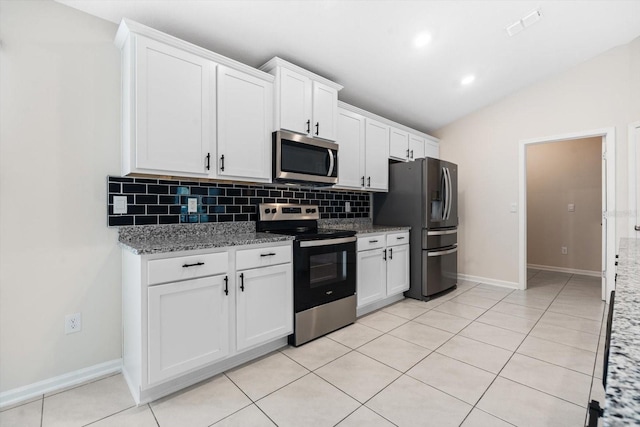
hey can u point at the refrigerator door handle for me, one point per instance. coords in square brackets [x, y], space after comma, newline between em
[449, 193]
[445, 192]
[440, 253]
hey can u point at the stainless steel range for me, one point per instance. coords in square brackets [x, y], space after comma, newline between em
[324, 263]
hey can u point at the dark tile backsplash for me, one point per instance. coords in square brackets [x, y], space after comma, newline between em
[162, 201]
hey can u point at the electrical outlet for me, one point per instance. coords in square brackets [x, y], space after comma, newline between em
[119, 204]
[193, 204]
[564, 250]
[347, 207]
[72, 323]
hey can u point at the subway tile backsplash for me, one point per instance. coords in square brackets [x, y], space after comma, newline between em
[162, 201]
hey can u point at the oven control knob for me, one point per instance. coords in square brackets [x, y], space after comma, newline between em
[267, 211]
[309, 210]
[274, 210]
[313, 211]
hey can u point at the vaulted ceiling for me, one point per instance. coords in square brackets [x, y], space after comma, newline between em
[369, 46]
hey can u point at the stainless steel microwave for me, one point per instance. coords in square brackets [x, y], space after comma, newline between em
[302, 160]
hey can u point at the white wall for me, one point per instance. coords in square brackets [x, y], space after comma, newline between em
[598, 93]
[59, 139]
[558, 174]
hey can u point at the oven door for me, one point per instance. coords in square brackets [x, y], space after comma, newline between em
[325, 271]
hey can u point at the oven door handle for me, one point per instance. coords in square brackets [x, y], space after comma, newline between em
[331, 162]
[326, 242]
[446, 252]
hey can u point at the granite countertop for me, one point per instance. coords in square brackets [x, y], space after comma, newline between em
[622, 405]
[360, 226]
[154, 239]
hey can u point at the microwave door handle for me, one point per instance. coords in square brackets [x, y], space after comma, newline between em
[331, 163]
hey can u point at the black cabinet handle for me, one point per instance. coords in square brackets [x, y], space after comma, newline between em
[373, 241]
[363, 180]
[226, 285]
[222, 163]
[412, 154]
[384, 257]
[407, 153]
[400, 238]
[208, 161]
[390, 253]
[318, 128]
[192, 265]
[309, 126]
[369, 182]
[269, 254]
[242, 282]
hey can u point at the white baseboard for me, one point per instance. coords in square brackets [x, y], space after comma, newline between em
[565, 270]
[20, 394]
[488, 281]
[379, 304]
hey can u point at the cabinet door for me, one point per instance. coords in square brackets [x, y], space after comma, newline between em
[416, 147]
[244, 126]
[173, 109]
[350, 150]
[432, 149]
[188, 326]
[372, 276]
[397, 269]
[398, 144]
[377, 156]
[325, 112]
[295, 102]
[264, 305]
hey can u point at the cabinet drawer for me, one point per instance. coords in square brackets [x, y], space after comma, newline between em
[400, 238]
[373, 241]
[186, 267]
[262, 257]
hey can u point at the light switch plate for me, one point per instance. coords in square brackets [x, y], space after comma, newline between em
[193, 205]
[119, 204]
[572, 207]
[514, 208]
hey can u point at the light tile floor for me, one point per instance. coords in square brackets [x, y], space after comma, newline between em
[478, 356]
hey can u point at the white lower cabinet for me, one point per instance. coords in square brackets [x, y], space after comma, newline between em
[188, 325]
[383, 267]
[264, 305]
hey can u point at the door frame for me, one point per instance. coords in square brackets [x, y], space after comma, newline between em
[609, 187]
[634, 129]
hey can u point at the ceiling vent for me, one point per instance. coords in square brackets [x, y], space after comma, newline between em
[527, 21]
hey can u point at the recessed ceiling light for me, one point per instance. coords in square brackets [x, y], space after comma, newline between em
[468, 79]
[422, 39]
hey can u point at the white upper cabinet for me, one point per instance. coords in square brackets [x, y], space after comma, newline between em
[377, 155]
[432, 149]
[173, 112]
[398, 144]
[305, 103]
[244, 126]
[351, 161]
[416, 147]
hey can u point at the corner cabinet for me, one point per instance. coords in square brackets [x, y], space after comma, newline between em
[193, 314]
[305, 103]
[185, 107]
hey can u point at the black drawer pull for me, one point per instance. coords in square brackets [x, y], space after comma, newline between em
[400, 238]
[269, 254]
[373, 241]
[193, 265]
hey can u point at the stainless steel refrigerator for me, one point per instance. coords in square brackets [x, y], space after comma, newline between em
[424, 195]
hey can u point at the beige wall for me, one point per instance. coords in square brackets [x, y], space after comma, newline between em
[596, 94]
[560, 173]
[59, 138]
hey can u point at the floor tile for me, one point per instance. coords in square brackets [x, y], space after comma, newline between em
[506, 321]
[317, 353]
[422, 335]
[478, 418]
[558, 354]
[382, 321]
[592, 312]
[474, 300]
[355, 335]
[565, 336]
[529, 407]
[500, 337]
[27, 415]
[263, 376]
[408, 400]
[597, 391]
[364, 416]
[200, 405]
[453, 377]
[429, 305]
[444, 321]
[571, 322]
[394, 352]
[249, 416]
[358, 375]
[22, 402]
[309, 401]
[517, 310]
[552, 379]
[405, 309]
[140, 416]
[87, 403]
[495, 294]
[480, 355]
[460, 310]
[528, 300]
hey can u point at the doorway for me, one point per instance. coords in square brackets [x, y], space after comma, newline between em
[608, 202]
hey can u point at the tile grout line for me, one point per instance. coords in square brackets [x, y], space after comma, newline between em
[154, 414]
[42, 412]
